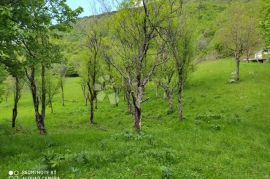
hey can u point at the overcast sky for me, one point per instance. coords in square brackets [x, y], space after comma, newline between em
[87, 6]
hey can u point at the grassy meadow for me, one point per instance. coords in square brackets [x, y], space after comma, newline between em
[226, 133]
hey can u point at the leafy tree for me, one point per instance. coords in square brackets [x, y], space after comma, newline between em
[137, 26]
[92, 61]
[14, 85]
[28, 26]
[238, 33]
[53, 85]
[11, 54]
[60, 71]
[265, 21]
[14, 65]
[180, 45]
[113, 81]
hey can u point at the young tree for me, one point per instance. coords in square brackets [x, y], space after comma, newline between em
[14, 84]
[238, 33]
[32, 23]
[112, 80]
[179, 37]
[165, 78]
[37, 62]
[60, 71]
[14, 66]
[10, 53]
[137, 26]
[93, 48]
[93, 51]
[94, 45]
[19, 84]
[254, 41]
[53, 85]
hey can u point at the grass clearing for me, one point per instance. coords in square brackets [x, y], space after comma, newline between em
[225, 135]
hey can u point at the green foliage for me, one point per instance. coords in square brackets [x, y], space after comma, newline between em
[265, 21]
[2, 78]
[166, 172]
[225, 124]
[72, 70]
[9, 86]
[238, 34]
[52, 160]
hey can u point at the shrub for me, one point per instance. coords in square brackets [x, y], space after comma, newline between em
[166, 172]
[52, 160]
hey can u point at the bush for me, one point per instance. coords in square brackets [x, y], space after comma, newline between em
[166, 172]
[72, 70]
[52, 159]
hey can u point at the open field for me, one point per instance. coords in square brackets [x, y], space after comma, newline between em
[225, 135]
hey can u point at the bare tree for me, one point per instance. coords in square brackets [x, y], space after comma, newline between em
[165, 77]
[136, 28]
[93, 33]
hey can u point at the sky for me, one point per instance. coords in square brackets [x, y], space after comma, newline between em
[87, 6]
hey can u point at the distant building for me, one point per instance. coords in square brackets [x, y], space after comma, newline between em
[260, 56]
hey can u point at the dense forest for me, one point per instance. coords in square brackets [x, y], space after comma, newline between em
[139, 89]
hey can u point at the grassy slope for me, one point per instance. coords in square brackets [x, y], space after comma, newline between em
[226, 133]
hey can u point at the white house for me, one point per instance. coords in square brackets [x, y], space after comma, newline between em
[260, 56]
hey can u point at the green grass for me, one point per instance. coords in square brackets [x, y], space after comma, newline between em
[225, 135]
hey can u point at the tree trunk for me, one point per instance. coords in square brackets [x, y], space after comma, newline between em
[181, 101]
[169, 96]
[92, 102]
[137, 102]
[248, 55]
[33, 87]
[86, 99]
[40, 124]
[137, 118]
[62, 92]
[14, 115]
[115, 95]
[237, 75]
[43, 92]
[16, 101]
[181, 85]
[96, 103]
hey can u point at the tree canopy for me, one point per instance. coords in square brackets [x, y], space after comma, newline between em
[265, 21]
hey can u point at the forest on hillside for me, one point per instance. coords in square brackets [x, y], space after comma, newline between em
[138, 89]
